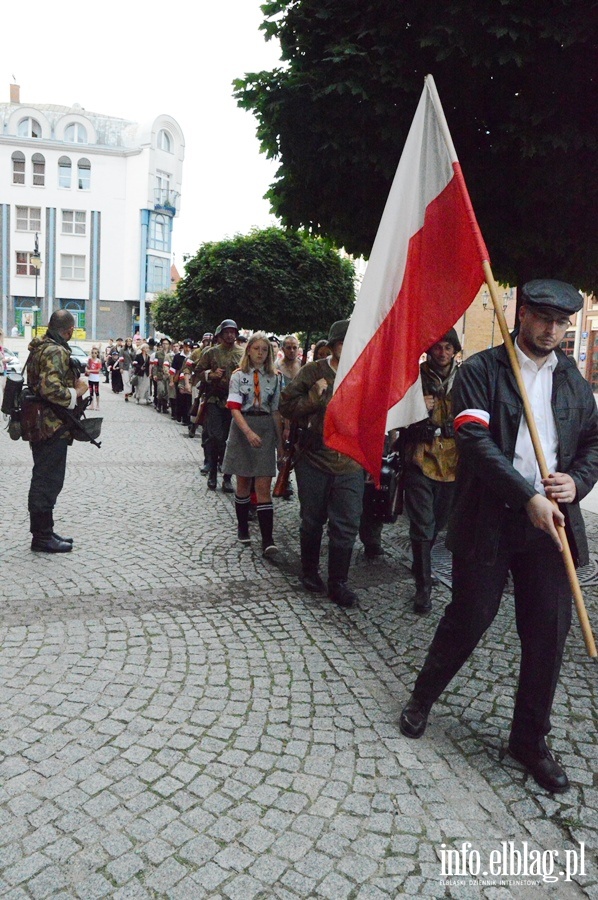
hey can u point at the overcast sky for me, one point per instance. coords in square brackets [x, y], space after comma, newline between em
[136, 60]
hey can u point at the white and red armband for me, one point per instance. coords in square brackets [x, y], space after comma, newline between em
[475, 416]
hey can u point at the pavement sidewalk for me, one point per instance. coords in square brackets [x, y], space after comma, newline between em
[179, 719]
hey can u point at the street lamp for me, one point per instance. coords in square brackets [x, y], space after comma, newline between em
[35, 310]
[505, 303]
[36, 261]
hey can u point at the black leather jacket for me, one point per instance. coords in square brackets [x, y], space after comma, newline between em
[487, 483]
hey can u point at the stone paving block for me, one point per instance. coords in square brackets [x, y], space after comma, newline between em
[125, 867]
[166, 876]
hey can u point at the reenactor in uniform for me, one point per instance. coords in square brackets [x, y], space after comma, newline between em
[160, 374]
[214, 369]
[51, 376]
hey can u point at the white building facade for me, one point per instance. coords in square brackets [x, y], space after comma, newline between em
[97, 197]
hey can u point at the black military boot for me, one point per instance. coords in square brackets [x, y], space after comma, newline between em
[310, 561]
[422, 570]
[43, 538]
[339, 560]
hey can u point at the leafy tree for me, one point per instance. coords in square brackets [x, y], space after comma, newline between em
[274, 278]
[517, 82]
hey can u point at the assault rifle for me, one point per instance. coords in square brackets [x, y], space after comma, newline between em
[287, 463]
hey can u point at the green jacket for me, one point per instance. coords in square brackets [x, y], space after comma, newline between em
[301, 402]
[51, 376]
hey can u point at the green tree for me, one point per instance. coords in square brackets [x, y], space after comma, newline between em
[274, 278]
[517, 82]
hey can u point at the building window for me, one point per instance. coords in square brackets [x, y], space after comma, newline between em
[84, 174]
[39, 169]
[72, 267]
[29, 128]
[158, 274]
[29, 218]
[18, 167]
[165, 141]
[24, 264]
[159, 233]
[64, 172]
[77, 308]
[73, 221]
[162, 188]
[75, 133]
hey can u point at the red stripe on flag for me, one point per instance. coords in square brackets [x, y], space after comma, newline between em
[443, 273]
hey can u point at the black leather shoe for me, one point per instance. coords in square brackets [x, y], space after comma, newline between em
[212, 481]
[542, 766]
[50, 545]
[66, 540]
[341, 594]
[414, 719]
[243, 535]
[313, 583]
[227, 485]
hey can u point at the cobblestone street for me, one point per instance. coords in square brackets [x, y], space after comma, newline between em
[179, 719]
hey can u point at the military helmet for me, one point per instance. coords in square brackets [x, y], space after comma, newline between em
[227, 323]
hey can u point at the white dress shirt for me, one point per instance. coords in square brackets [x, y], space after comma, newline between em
[538, 383]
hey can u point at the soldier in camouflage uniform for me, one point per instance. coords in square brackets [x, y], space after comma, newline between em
[51, 376]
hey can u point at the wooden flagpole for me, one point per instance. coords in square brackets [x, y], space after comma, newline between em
[529, 416]
[531, 424]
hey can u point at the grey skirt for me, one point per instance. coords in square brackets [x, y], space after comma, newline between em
[251, 462]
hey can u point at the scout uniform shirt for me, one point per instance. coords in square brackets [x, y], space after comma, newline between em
[249, 397]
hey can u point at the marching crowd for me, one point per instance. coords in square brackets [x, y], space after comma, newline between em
[473, 460]
[251, 399]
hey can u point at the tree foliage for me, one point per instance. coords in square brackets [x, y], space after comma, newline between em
[517, 82]
[274, 278]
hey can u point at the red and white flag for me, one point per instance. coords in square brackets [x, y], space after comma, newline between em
[424, 271]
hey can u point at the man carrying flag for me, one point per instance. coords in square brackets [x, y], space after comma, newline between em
[512, 472]
[503, 520]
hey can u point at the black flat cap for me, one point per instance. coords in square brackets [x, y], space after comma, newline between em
[557, 295]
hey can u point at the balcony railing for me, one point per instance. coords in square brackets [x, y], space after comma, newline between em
[165, 201]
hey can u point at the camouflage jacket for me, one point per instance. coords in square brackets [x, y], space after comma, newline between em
[51, 376]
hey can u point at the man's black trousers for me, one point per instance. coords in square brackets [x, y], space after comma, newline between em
[542, 614]
[47, 480]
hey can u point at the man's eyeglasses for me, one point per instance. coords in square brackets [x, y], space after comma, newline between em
[560, 322]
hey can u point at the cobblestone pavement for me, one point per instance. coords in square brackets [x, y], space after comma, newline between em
[178, 719]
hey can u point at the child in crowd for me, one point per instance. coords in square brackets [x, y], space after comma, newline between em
[93, 372]
[255, 436]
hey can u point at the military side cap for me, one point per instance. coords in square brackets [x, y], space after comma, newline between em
[338, 331]
[551, 294]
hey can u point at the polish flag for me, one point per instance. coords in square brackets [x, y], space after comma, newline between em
[424, 271]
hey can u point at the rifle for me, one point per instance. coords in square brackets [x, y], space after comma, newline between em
[287, 463]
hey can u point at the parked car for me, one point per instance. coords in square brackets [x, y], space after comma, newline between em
[13, 363]
[80, 355]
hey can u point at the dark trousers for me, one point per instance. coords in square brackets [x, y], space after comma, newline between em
[47, 480]
[427, 504]
[183, 406]
[216, 427]
[336, 499]
[542, 614]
